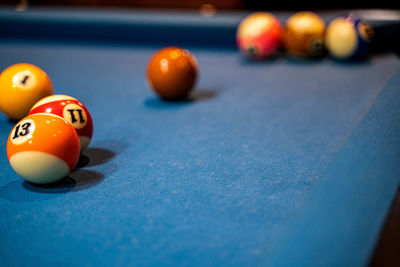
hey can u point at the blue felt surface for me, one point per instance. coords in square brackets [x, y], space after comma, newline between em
[349, 203]
[228, 178]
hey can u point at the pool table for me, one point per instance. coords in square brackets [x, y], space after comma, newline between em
[282, 162]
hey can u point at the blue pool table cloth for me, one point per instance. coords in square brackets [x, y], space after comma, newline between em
[275, 163]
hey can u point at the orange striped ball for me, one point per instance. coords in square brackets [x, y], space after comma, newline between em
[43, 148]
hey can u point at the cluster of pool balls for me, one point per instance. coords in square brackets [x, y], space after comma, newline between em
[53, 130]
[261, 35]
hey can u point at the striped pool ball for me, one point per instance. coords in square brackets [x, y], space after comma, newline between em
[70, 109]
[348, 38]
[43, 148]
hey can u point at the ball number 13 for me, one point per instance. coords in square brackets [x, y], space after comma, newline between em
[21, 130]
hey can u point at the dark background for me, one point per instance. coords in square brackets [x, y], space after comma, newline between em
[218, 4]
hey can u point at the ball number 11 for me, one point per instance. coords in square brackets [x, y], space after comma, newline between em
[73, 118]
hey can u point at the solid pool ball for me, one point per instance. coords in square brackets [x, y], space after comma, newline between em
[172, 73]
[43, 148]
[21, 86]
[70, 109]
[348, 38]
[304, 35]
[259, 35]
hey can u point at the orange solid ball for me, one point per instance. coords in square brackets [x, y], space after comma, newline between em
[172, 73]
[43, 148]
[21, 86]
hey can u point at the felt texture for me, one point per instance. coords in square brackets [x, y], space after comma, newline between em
[266, 163]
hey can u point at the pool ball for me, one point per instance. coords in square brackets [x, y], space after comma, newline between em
[43, 148]
[21, 86]
[259, 35]
[348, 38]
[172, 73]
[70, 109]
[304, 35]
